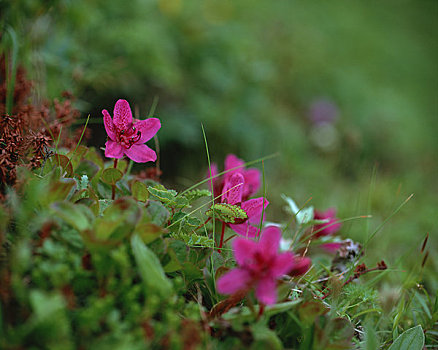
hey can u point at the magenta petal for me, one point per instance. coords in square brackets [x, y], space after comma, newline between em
[266, 291]
[113, 150]
[233, 281]
[233, 189]
[231, 162]
[331, 247]
[300, 267]
[252, 182]
[283, 263]
[254, 208]
[141, 154]
[243, 250]
[122, 115]
[109, 125]
[148, 128]
[245, 230]
[270, 240]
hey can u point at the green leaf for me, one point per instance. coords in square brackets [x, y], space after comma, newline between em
[64, 162]
[150, 268]
[87, 167]
[412, 339]
[158, 213]
[77, 215]
[196, 194]
[139, 191]
[194, 240]
[227, 213]
[168, 197]
[110, 176]
[303, 216]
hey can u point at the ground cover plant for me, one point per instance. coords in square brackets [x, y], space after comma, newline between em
[96, 256]
[279, 193]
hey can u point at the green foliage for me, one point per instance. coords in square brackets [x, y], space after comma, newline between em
[227, 213]
[412, 339]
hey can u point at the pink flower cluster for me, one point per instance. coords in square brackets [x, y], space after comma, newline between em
[260, 266]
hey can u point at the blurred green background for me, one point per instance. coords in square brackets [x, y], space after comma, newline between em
[341, 90]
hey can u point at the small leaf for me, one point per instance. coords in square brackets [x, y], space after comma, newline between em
[64, 162]
[110, 176]
[412, 339]
[77, 215]
[227, 213]
[196, 194]
[158, 213]
[304, 216]
[139, 191]
[168, 197]
[150, 268]
[87, 167]
[194, 240]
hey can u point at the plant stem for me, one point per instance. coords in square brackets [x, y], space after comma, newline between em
[113, 187]
[222, 237]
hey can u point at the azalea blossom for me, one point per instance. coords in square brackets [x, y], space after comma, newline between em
[260, 265]
[232, 194]
[126, 136]
[330, 227]
[251, 176]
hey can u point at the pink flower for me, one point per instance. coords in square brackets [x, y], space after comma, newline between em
[260, 266]
[251, 176]
[126, 137]
[232, 194]
[329, 228]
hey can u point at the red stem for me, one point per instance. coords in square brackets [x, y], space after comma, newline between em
[113, 187]
[222, 237]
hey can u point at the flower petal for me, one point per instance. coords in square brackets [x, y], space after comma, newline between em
[233, 189]
[113, 150]
[231, 161]
[122, 115]
[243, 250]
[233, 281]
[266, 291]
[254, 209]
[109, 125]
[245, 230]
[270, 240]
[283, 263]
[148, 128]
[300, 267]
[252, 182]
[141, 153]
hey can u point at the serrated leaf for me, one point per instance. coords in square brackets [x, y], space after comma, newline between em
[412, 339]
[194, 240]
[150, 268]
[111, 175]
[227, 213]
[168, 197]
[196, 194]
[139, 191]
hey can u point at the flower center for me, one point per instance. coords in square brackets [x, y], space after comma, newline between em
[128, 137]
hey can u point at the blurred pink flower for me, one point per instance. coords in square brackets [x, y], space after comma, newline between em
[328, 228]
[251, 176]
[126, 137]
[260, 266]
[232, 194]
